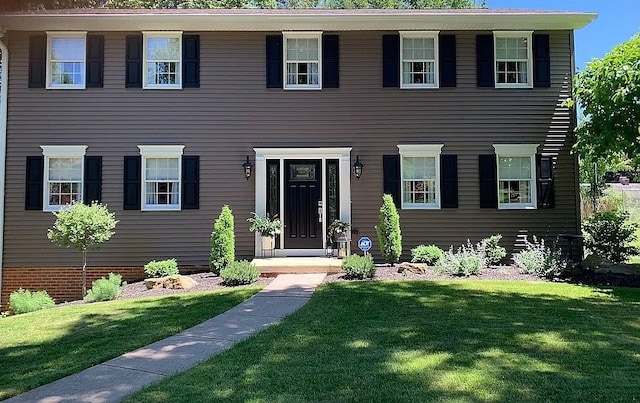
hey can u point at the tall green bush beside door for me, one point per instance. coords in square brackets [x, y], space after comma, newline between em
[388, 231]
[222, 241]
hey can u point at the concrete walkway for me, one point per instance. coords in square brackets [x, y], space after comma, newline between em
[113, 380]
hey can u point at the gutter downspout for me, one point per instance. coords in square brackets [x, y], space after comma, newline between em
[4, 83]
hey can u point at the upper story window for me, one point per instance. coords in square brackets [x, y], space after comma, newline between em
[513, 58]
[66, 58]
[302, 56]
[420, 167]
[161, 177]
[516, 175]
[162, 60]
[419, 59]
[63, 175]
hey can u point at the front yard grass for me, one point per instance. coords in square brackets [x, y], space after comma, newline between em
[40, 347]
[460, 341]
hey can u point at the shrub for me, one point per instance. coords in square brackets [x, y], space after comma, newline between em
[541, 260]
[608, 234]
[239, 273]
[105, 289]
[162, 268]
[468, 260]
[83, 228]
[222, 241]
[24, 301]
[359, 267]
[495, 252]
[429, 254]
[388, 231]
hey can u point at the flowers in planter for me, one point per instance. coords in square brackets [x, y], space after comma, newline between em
[265, 226]
[335, 228]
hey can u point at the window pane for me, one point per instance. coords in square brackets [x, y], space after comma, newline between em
[302, 49]
[67, 49]
[163, 49]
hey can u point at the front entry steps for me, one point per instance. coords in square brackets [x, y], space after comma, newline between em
[286, 265]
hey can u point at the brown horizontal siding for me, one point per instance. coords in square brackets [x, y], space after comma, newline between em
[232, 112]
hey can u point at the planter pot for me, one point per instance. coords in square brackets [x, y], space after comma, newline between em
[268, 242]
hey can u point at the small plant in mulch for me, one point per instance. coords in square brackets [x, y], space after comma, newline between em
[239, 273]
[358, 267]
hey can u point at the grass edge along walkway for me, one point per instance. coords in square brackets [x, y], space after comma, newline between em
[437, 340]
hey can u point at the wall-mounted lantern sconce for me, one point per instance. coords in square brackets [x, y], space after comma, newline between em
[357, 167]
[247, 169]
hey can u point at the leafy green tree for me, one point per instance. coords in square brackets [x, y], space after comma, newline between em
[222, 241]
[609, 91]
[83, 228]
[388, 231]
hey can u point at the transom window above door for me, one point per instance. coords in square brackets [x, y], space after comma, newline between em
[66, 64]
[162, 60]
[419, 59]
[302, 55]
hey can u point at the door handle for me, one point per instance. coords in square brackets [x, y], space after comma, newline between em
[319, 214]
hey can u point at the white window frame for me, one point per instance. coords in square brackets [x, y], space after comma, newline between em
[161, 34]
[518, 150]
[420, 34]
[61, 152]
[49, 71]
[514, 34]
[420, 150]
[301, 35]
[163, 151]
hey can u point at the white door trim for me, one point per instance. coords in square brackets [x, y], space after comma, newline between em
[4, 89]
[342, 154]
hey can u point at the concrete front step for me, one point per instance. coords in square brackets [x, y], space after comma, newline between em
[296, 265]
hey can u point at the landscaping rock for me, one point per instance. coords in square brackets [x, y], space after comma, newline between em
[154, 283]
[178, 282]
[599, 264]
[416, 268]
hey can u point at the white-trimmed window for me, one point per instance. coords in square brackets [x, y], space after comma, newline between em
[302, 60]
[63, 175]
[420, 167]
[516, 175]
[66, 60]
[513, 58]
[419, 59]
[162, 59]
[161, 177]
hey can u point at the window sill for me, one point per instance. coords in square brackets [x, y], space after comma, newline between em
[420, 207]
[303, 87]
[161, 208]
[518, 86]
[419, 86]
[162, 87]
[515, 206]
[67, 87]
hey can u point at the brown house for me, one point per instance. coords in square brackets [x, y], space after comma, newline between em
[456, 113]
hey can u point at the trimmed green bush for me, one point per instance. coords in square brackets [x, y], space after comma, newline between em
[541, 260]
[429, 254]
[239, 273]
[388, 231]
[495, 252]
[359, 267]
[222, 241]
[468, 260]
[105, 289]
[163, 268]
[609, 234]
[24, 301]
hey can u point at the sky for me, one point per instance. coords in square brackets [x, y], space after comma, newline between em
[617, 22]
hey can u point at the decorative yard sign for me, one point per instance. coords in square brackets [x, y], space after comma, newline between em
[364, 244]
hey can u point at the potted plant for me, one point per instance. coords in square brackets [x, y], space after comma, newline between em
[267, 227]
[337, 230]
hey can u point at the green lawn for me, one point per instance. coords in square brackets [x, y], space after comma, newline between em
[40, 347]
[459, 341]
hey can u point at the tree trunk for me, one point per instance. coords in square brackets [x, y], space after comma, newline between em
[84, 273]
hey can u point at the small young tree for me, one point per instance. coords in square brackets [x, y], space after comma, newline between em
[222, 241]
[83, 228]
[388, 231]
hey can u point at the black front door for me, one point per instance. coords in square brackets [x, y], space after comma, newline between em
[303, 195]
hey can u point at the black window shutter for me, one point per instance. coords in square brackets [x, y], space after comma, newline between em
[190, 182]
[488, 181]
[274, 61]
[37, 61]
[391, 175]
[134, 61]
[484, 61]
[449, 181]
[544, 172]
[190, 61]
[34, 186]
[132, 182]
[92, 179]
[95, 61]
[541, 61]
[447, 49]
[330, 62]
[391, 60]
